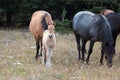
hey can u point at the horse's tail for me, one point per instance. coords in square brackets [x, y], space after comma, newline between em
[74, 22]
[44, 23]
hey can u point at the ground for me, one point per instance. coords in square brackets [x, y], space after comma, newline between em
[17, 62]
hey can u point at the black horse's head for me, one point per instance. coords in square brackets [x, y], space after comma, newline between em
[110, 53]
[108, 41]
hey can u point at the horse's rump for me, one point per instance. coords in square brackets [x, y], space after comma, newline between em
[39, 22]
[114, 20]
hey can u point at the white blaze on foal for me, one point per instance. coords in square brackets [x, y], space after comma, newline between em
[49, 41]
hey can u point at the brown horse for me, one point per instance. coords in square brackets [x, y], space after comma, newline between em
[40, 21]
[106, 11]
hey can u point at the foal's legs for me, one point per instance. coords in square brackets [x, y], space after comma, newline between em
[41, 49]
[90, 51]
[83, 49]
[43, 55]
[48, 56]
[77, 36]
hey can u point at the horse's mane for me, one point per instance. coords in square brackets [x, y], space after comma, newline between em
[102, 12]
[44, 23]
[104, 29]
[107, 34]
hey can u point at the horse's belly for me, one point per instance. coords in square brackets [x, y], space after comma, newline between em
[83, 32]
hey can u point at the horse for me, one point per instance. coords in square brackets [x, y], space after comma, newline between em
[93, 27]
[114, 20]
[40, 21]
[106, 11]
[49, 41]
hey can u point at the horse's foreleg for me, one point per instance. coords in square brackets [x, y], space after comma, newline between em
[102, 55]
[41, 49]
[37, 49]
[90, 51]
[114, 38]
[103, 51]
[83, 49]
[78, 45]
[48, 56]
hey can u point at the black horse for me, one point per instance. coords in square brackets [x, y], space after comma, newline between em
[93, 27]
[114, 20]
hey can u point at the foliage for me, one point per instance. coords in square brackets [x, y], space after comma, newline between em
[64, 14]
[21, 10]
[63, 26]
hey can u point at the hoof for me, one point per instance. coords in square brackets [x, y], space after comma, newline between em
[36, 57]
[87, 61]
[78, 59]
[83, 59]
[41, 54]
[109, 64]
[101, 62]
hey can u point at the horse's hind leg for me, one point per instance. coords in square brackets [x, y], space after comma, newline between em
[102, 53]
[90, 51]
[114, 38]
[83, 49]
[78, 45]
[37, 49]
[101, 59]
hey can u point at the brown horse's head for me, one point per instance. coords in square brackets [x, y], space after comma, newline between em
[106, 11]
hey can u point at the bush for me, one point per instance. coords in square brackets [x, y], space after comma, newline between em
[97, 9]
[63, 26]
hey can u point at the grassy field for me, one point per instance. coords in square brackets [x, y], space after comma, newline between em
[17, 51]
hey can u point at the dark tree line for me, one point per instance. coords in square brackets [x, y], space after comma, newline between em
[20, 11]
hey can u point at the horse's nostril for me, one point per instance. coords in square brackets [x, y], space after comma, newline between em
[50, 36]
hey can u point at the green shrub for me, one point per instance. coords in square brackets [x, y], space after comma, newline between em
[63, 26]
[97, 9]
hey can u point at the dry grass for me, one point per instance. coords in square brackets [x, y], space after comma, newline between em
[17, 60]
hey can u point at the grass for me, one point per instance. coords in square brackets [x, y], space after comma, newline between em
[17, 59]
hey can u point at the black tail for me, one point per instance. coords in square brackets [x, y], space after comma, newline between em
[44, 23]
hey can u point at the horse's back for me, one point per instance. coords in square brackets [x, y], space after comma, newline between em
[114, 20]
[89, 25]
[82, 22]
[81, 18]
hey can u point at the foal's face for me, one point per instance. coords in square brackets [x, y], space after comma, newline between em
[51, 30]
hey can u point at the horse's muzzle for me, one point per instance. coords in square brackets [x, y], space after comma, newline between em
[109, 64]
[50, 36]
